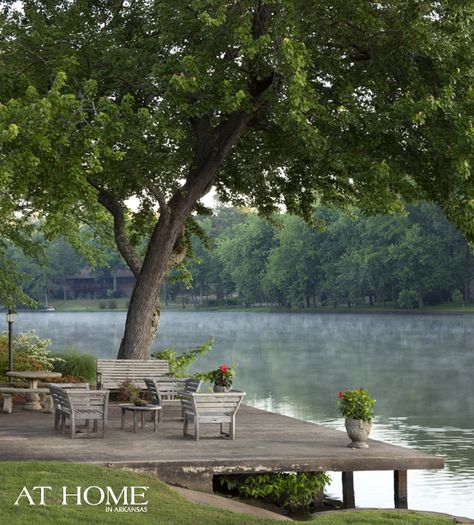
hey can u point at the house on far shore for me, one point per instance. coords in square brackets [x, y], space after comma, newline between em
[88, 284]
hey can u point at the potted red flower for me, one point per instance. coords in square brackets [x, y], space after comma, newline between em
[222, 378]
[358, 408]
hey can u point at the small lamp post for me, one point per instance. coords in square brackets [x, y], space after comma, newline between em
[11, 315]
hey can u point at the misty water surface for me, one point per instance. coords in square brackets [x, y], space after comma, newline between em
[419, 368]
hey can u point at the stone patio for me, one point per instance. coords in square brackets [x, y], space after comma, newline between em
[265, 442]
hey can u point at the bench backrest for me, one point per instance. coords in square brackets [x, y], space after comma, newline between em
[212, 403]
[89, 399]
[166, 388]
[60, 398]
[112, 372]
[56, 391]
[69, 399]
[192, 385]
[71, 386]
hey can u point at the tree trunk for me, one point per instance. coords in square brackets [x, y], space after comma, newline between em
[466, 293]
[143, 317]
[421, 303]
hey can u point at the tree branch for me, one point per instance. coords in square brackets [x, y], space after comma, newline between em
[155, 191]
[261, 20]
[214, 144]
[112, 204]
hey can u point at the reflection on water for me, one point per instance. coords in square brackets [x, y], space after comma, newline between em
[419, 368]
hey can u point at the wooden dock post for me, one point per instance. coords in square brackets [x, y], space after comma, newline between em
[348, 497]
[400, 487]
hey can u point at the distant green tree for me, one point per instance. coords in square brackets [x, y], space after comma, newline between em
[423, 258]
[455, 253]
[64, 261]
[244, 252]
[293, 272]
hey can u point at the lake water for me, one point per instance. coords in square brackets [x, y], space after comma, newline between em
[419, 368]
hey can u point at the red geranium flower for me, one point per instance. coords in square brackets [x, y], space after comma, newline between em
[341, 394]
[224, 368]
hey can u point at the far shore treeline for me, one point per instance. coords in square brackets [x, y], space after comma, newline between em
[407, 260]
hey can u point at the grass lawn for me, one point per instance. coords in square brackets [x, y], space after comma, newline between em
[165, 507]
[121, 304]
[380, 517]
[90, 305]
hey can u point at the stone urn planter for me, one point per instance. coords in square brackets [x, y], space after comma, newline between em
[358, 430]
[220, 388]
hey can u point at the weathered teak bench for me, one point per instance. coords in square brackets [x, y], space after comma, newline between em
[112, 372]
[8, 392]
[217, 407]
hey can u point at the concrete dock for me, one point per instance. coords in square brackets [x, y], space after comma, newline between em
[265, 442]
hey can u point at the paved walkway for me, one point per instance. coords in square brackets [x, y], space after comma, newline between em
[228, 504]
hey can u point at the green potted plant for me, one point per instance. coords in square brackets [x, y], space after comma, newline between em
[358, 408]
[222, 378]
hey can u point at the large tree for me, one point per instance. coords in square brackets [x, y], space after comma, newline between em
[271, 103]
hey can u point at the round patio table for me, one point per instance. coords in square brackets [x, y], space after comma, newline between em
[33, 399]
[154, 409]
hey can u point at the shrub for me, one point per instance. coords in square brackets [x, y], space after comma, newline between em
[78, 365]
[29, 353]
[457, 297]
[179, 365]
[102, 305]
[407, 299]
[71, 379]
[112, 304]
[291, 490]
[222, 302]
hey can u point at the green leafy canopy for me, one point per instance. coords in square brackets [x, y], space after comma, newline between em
[361, 102]
[271, 103]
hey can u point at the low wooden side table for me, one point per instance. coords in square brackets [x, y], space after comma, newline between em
[154, 409]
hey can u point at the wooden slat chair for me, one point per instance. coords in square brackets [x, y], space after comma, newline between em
[217, 407]
[59, 415]
[153, 393]
[169, 389]
[161, 390]
[87, 405]
[112, 372]
[192, 385]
